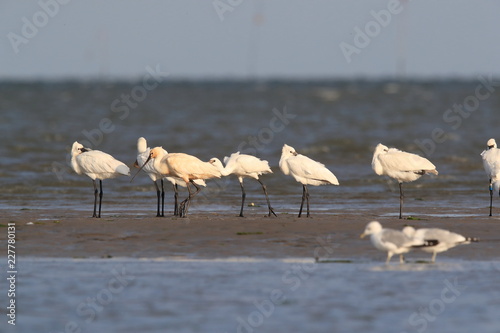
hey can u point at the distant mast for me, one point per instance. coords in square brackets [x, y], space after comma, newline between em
[258, 19]
[97, 52]
[402, 36]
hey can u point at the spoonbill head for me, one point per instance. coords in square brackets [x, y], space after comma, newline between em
[288, 151]
[218, 164]
[491, 143]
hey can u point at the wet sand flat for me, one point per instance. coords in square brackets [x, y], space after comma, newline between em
[71, 234]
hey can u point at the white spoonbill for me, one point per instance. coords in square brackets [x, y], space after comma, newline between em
[96, 165]
[305, 171]
[244, 166]
[391, 240]
[491, 163]
[142, 155]
[186, 167]
[445, 239]
[402, 166]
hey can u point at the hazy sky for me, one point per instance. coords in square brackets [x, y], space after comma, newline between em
[249, 38]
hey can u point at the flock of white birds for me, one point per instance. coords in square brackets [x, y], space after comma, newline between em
[187, 170]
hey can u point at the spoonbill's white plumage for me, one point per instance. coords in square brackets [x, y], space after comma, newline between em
[142, 156]
[186, 167]
[305, 171]
[390, 240]
[97, 165]
[445, 239]
[491, 163]
[245, 166]
[143, 152]
[402, 166]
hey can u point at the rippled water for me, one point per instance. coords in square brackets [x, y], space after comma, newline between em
[337, 123]
[249, 295]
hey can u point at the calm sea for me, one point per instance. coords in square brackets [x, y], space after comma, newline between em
[252, 295]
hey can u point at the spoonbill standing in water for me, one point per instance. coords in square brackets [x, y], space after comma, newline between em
[97, 165]
[186, 167]
[142, 155]
[244, 166]
[491, 163]
[305, 171]
[402, 166]
[445, 239]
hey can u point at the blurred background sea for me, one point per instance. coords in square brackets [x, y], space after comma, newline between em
[335, 122]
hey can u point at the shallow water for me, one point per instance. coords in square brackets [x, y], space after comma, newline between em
[255, 295]
[336, 122]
